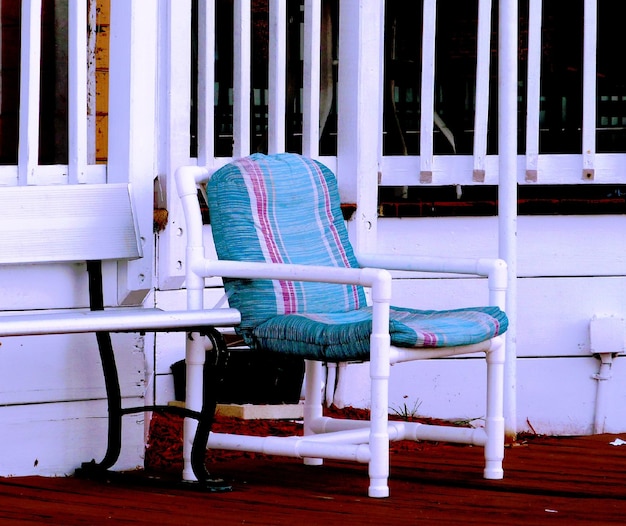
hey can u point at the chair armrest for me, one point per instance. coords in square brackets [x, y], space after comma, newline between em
[378, 279]
[368, 277]
[495, 269]
[448, 265]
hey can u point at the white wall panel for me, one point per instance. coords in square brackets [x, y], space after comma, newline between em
[54, 439]
[52, 286]
[547, 245]
[44, 369]
[554, 313]
[556, 396]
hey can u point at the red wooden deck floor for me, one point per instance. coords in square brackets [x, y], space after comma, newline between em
[548, 480]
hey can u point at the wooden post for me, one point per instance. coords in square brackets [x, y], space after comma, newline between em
[360, 99]
[132, 116]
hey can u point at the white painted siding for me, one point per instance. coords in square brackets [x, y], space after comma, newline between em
[571, 268]
[48, 440]
[445, 389]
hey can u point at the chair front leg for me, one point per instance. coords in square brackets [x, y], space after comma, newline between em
[494, 423]
[380, 352]
[313, 399]
[379, 414]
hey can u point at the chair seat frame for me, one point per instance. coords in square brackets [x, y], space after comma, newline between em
[328, 438]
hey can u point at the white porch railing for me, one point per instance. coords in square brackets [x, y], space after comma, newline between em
[586, 166]
[583, 167]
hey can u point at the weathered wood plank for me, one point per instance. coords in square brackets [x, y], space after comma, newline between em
[566, 481]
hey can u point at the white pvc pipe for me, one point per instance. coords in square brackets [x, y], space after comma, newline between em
[495, 269]
[368, 277]
[602, 377]
[459, 435]
[328, 424]
[298, 447]
[476, 266]
[355, 435]
[507, 191]
[195, 356]
[313, 399]
[494, 417]
[407, 354]
[116, 320]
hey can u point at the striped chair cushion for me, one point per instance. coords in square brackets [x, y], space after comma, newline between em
[345, 336]
[281, 208]
[285, 208]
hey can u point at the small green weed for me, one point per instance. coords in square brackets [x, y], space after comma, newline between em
[406, 412]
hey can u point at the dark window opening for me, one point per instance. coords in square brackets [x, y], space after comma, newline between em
[611, 81]
[455, 77]
[224, 57]
[53, 112]
[478, 201]
[561, 96]
[9, 80]
[53, 88]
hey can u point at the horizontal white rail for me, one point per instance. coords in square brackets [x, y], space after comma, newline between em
[299, 447]
[115, 320]
[239, 269]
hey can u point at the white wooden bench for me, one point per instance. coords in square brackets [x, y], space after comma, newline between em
[95, 223]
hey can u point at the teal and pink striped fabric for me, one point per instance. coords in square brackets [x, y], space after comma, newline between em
[281, 209]
[285, 208]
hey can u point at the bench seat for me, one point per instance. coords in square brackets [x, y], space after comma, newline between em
[118, 319]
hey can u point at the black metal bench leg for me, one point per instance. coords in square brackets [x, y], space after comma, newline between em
[213, 377]
[114, 401]
[111, 380]
[114, 407]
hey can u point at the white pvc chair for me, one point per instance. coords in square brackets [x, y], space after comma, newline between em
[288, 267]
